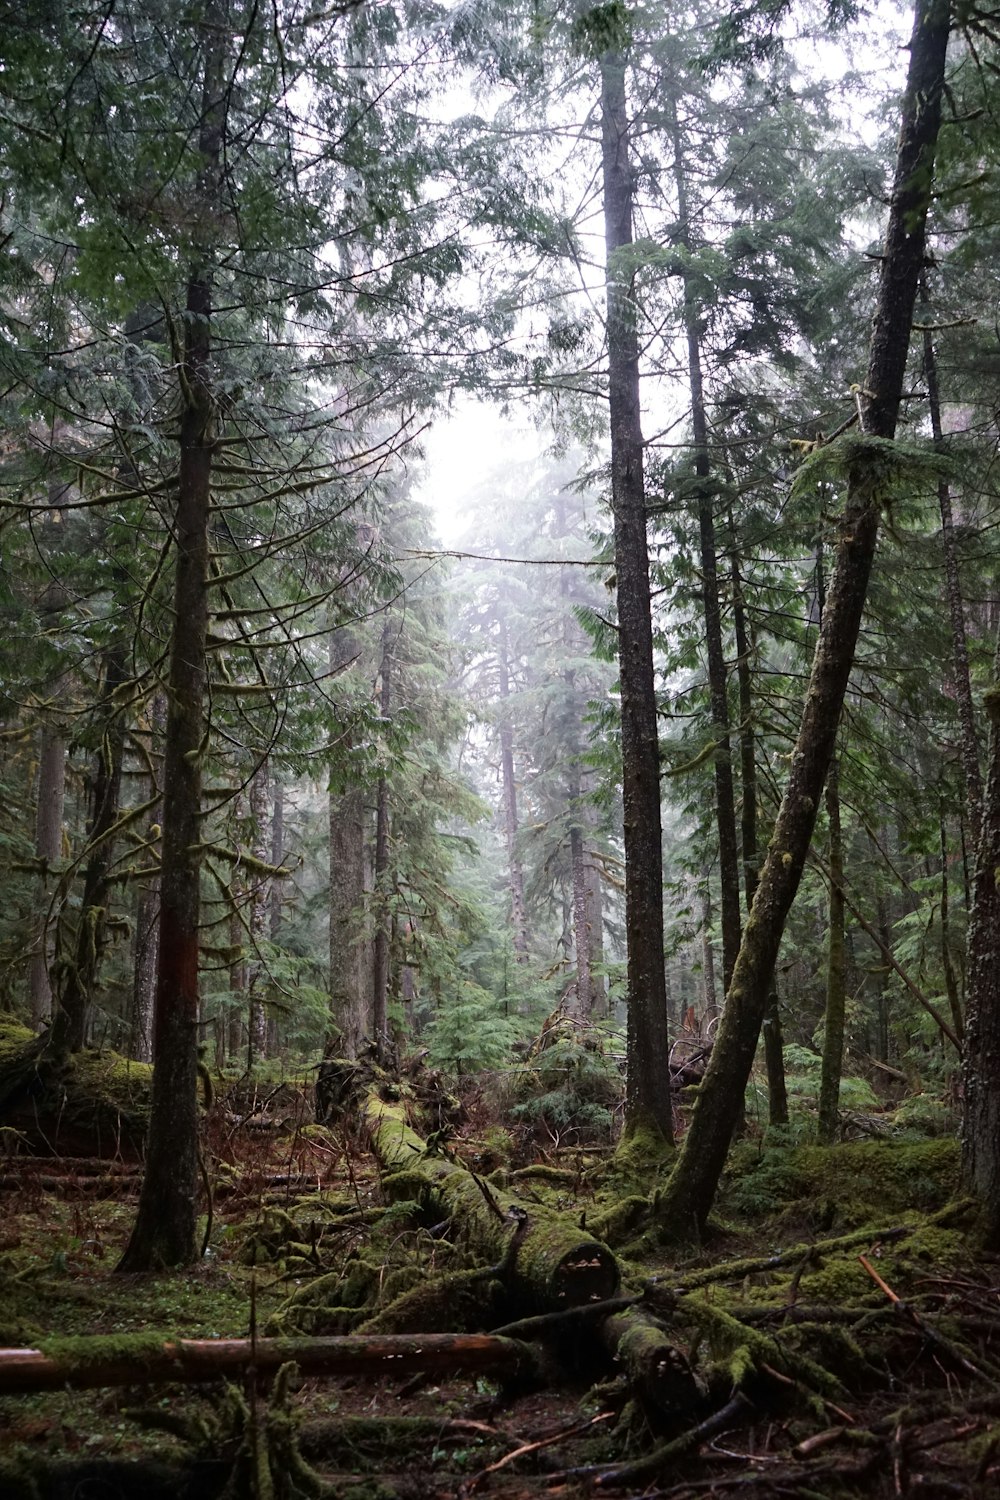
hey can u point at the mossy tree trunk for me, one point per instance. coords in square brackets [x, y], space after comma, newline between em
[546, 1257]
[647, 1093]
[685, 1203]
[164, 1230]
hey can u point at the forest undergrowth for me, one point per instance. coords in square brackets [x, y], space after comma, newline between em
[836, 1333]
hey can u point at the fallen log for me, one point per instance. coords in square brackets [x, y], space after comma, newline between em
[91, 1362]
[544, 1256]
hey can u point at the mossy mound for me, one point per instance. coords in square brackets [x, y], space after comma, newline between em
[828, 1188]
[93, 1103]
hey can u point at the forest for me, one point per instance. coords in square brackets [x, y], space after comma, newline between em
[499, 749]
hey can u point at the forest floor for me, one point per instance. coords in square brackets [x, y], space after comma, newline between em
[836, 1334]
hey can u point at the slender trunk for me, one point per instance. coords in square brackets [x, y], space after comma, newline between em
[956, 608]
[164, 1232]
[515, 871]
[380, 987]
[688, 1197]
[147, 918]
[647, 1092]
[581, 926]
[774, 1056]
[595, 933]
[78, 968]
[234, 1030]
[725, 797]
[274, 915]
[51, 780]
[48, 850]
[257, 914]
[710, 998]
[833, 1033]
[950, 979]
[349, 1001]
[981, 1066]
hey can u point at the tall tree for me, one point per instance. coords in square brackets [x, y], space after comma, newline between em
[164, 1230]
[604, 31]
[868, 460]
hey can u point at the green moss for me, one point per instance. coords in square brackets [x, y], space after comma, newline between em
[839, 1187]
[79, 1353]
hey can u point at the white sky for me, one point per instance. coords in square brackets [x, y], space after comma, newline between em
[461, 447]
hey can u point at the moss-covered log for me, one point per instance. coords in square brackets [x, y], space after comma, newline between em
[88, 1363]
[546, 1258]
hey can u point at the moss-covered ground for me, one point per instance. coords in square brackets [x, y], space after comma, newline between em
[835, 1334]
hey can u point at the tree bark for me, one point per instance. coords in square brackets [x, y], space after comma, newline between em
[275, 913]
[725, 797]
[710, 992]
[257, 914]
[647, 1092]
[88, 1363]
[688, 1197]
[350, 1004]
[145, 946]
[595, 932]
[78, 970]
[48, 851]
[774, 1057]
[380, 987]
[515, 870]
[164, 1230]
[836, 977]
[552, 1262]
[51, 786]
[956, 609]
[981, 1063]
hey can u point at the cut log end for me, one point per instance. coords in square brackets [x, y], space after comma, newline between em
[586, 1273]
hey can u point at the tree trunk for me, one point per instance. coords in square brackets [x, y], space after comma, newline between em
[515, 871]
[146, 942]
[725, 798]
[552, 1262]
[688, 1197]
[581, 926]
[774, 1057]
[116, 1360]
[78, 970]
[257, 914]
[710, 993]
[595, 933]
[274, 915]
[165, 1225]
[836, 981]
[956, 608]
[950, 978]
[647, 1092]
[380, 986]
[350, 1005]
[981, 1066]
[48, 851]
[51, 785]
